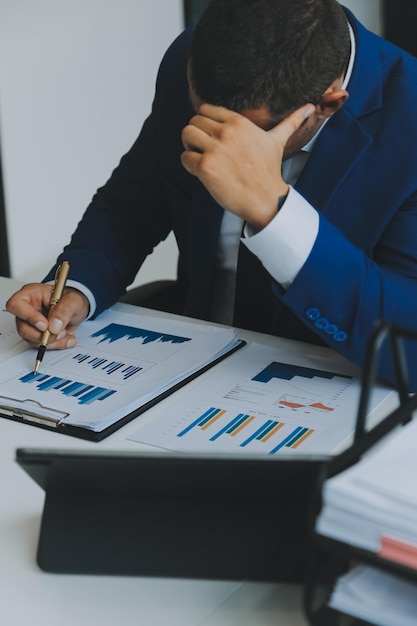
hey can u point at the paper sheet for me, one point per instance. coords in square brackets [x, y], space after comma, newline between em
[375, 499]
[261, 401]
[377, 597]
[122, 360]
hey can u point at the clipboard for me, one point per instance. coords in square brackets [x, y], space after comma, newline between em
[212, 517]
[32, 412]
[124, 363]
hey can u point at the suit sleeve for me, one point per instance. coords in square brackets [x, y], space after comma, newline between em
[340, 292]
[129, 215]
[124, 221]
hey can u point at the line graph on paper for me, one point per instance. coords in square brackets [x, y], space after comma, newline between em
[294, 390]
[302, 404]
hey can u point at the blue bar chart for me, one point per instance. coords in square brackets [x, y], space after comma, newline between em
[108, 366]
[82, 373]
[116, 332]
[244, 430]
[286, 371]
[82, 392]
[122, 361]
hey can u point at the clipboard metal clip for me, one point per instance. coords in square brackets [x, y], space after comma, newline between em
[31, 411]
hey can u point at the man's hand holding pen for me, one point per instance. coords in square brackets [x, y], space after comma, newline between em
[30, 306]
[56, 295]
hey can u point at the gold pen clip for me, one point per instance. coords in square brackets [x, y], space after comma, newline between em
[61, 276]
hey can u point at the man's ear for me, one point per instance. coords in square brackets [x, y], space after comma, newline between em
[331, 101]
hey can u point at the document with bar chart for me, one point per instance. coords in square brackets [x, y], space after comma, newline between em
[122, 362]
[259, 402]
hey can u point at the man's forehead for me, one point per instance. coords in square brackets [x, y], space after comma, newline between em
[261, 117]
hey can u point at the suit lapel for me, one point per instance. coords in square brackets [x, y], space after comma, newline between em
[345, 137]
[332, 159]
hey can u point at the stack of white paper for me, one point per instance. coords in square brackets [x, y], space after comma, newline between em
[376, 597]
[373, 504]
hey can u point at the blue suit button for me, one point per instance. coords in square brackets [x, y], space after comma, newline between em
[340, 336]
[313, 313]
[331, 329]
[322, 323]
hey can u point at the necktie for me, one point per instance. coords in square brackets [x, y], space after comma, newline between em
[253, 297]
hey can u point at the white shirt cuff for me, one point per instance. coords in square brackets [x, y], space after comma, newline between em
[284, 245]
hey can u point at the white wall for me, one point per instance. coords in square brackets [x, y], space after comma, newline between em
[77, 79]
[76, 82]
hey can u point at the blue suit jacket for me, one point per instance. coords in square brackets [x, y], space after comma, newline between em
[361, 177]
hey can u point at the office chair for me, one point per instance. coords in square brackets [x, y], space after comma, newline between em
[161, 295]
[167, 295]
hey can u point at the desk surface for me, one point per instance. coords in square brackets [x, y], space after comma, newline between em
[30, 596]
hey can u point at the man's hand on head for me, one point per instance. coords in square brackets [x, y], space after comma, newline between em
[238, 161]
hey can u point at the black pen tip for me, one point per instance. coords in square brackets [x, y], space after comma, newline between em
[39, 357]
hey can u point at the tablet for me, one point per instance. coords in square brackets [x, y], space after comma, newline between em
[147, 514]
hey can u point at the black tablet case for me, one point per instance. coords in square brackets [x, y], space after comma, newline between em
[170, 515]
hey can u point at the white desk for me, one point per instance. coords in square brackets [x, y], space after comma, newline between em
[30, 596]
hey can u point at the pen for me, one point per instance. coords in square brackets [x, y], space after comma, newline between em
[56, 294]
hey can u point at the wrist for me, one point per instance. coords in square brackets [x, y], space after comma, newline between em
[85, 302]
[261, 221]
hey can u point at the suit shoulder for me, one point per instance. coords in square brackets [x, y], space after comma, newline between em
[175, 58]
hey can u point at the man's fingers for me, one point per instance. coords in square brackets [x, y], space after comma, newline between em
[30, 303]
[30, 307]
[206, 124]
[290, 124]
[194, 138]
[32, 336]
[26, 312]
[70, 311]
[191, 160]
[216, 113]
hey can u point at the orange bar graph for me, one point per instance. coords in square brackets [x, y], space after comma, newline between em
[303, 438]
[213, 419]
[242, 426]
[272, 432]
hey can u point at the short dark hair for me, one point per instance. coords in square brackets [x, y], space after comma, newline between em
[280, 53]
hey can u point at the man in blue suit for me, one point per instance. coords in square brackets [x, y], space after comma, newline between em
[289, 120]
